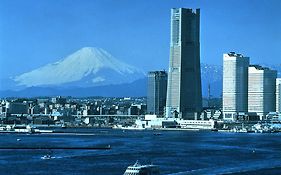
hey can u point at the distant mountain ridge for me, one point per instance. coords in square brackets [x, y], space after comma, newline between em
[134, 89]
[210, 74]
[94, 72]
[86, 67]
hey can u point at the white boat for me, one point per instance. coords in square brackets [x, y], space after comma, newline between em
[63, 126]
[138, 169]
[47, 157]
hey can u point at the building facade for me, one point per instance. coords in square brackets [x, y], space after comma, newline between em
[278, 95]
[16, 108]
[261, 90]
[235, 85]
[156, 92]
[184, 94]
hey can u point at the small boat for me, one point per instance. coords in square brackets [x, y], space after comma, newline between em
[63, 126]
[157, 134]
[47, 157]
[138, 169]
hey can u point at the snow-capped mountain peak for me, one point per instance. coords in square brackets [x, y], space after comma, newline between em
[88, 66]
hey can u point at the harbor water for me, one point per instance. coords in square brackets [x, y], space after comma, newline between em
[189, 152]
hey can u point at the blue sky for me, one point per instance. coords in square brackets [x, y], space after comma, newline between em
[34, 33]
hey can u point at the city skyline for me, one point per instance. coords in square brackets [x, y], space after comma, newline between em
[44, 33]
[87, 111]
[250, 91]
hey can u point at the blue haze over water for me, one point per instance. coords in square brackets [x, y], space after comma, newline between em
[174, 151]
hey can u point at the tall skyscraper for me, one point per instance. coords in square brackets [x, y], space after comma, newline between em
[156, 92]
[261, 90]
[235, 85]
[184, 94]
[278, 95]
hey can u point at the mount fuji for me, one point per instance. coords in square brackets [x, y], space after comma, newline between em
[87, 67]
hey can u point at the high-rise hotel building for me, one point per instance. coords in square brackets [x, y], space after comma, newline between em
[184, 96]
[261, 90]
[235, 85]
[278, 95]
[156, 92]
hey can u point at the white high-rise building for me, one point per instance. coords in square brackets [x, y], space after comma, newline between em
[278, 95]
[235, 85]
[261, 90]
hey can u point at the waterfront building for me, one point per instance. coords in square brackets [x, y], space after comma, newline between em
[197, 124]
[184, 94]
[153, 122]
[235, 85]
[261, 90]
[58, 100]
[278, 95]
[16, 108]
[139, 109]
[156, 92]
[208, 114]
[149, 122]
